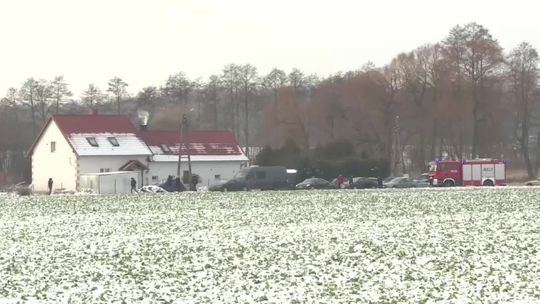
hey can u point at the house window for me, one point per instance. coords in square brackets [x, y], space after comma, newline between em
[113, 141]
[165, 148]
[92, 141]
[217, 176]
[154, 178]
[104, 170]
[53, 146]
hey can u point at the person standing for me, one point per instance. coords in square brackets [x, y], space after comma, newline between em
[50, 185]
[340, 180]
[133, 185]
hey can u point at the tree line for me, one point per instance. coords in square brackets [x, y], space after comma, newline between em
[462, 97]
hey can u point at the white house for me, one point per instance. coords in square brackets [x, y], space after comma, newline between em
[215, 155]
[71, 149]
[69, 146]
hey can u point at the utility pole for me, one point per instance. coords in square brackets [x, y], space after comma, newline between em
[187, 143]
[178, 169]
[184, 140]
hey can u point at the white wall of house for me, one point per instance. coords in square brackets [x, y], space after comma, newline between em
[95, 164]
[210, 171]
[60, 164]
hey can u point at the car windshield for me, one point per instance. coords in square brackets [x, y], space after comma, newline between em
[312, 181]
[386, 180]
[422, 177]
[432, 167]
[241, 174]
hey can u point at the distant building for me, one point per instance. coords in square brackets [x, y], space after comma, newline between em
[71, 146]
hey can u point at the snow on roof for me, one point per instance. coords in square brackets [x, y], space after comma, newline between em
[136, 142]
[109, 173]
[199, 158]
[128, 144]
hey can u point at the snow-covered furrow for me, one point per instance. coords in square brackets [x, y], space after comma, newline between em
[370, 246]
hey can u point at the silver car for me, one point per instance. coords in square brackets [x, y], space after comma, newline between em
[422, 180]
[399, 182]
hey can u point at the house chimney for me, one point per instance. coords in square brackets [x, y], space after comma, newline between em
[143, 119]
[93, 111]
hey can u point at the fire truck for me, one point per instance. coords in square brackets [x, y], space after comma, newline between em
[476, 172]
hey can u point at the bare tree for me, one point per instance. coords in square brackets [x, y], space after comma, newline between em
[28, 93]
[92, 95]
[522, 72]
[211, 92]
[117, 87]
[11, 102]
[248, 81]
[275, 80]
[230, 79]
[44, 94]
[147, 96]
[59, 91]
[479, 55]
[297, 79]
[178, 86]
[392, 85]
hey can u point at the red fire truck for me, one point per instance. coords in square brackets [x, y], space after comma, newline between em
[476, 172]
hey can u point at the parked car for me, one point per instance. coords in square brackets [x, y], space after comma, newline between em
[363, 183]
[399, 182]
[314, 183]
[422, 180]
[261, 178]
[389, 178]
[534, 182]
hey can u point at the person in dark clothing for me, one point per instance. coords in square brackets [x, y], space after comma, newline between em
[351, 180]
[379, 182]
[50, 185]
[179, 185]
[194, 182]
[133, 185]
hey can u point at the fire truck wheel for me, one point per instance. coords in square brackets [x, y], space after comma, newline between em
[488, 183]
[448, 183]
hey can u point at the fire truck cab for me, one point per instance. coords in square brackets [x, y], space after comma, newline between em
[477, 172]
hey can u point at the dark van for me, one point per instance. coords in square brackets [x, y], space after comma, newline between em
[260, 178]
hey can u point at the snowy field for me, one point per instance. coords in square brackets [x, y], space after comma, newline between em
[366, 246]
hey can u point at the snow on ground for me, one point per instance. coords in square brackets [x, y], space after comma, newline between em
[366, 246]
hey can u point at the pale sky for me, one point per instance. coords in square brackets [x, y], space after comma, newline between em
[143, 41]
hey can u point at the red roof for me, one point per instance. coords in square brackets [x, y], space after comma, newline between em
[70, 124]
[202, 142]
